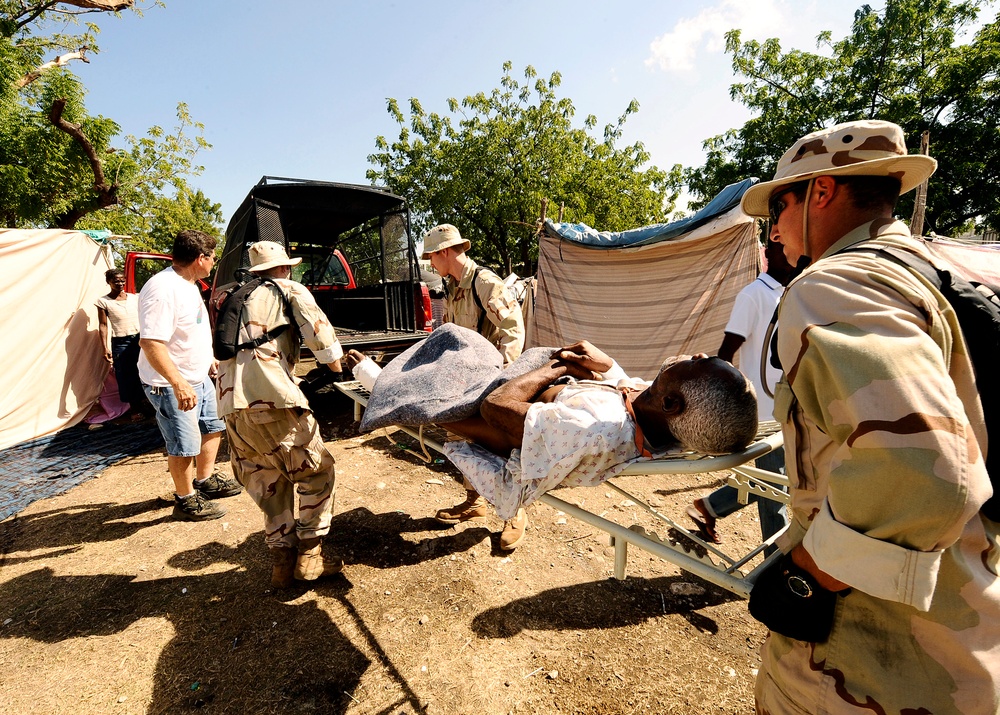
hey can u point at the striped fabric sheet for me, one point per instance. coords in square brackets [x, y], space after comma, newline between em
[643, 304]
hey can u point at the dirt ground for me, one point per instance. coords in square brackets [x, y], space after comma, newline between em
[109, 606]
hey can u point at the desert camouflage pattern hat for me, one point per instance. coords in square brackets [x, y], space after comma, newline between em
[865, 148]
[267, 254]
[441, 237]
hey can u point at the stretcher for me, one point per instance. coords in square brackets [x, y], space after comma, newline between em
[680, 546]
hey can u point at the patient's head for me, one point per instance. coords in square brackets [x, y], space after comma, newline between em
[704, 403]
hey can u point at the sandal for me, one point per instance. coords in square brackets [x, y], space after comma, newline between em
[705, 521]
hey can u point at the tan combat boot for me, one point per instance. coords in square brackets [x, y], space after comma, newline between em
[514, 531]
[283, 565]
[474, 507]
[311, 564]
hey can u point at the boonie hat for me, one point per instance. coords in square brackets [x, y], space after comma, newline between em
[267, 254]
[864, 148]
[442, 237]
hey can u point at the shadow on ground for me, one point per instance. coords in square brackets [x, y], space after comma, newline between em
[226, 636]
[360, 536]
[602, 604]
[72, 527]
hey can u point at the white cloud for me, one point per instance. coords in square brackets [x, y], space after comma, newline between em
[676, 51]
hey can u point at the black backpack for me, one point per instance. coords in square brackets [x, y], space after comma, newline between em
[229, 320]
[977, 307]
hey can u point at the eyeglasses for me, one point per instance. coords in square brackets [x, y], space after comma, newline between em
[775, 206]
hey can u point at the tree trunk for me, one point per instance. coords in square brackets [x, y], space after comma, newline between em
[107, 194]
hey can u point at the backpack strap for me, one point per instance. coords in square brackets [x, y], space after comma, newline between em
[271, 334]
[479, 302]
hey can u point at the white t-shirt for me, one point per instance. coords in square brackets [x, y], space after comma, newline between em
[751, 315]
[171, 310]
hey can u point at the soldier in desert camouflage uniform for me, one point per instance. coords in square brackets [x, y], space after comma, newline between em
[276, 444]
[499, 321]
[884, 435]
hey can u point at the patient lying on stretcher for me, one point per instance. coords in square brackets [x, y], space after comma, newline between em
[580, 420]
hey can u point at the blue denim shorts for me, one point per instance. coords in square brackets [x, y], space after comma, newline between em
[182, 431]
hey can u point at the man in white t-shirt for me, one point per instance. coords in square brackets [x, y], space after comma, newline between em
[174, 367]
[745, 332]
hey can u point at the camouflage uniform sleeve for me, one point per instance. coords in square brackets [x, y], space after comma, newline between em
[504, 312]
[880, 426]
[317, 332]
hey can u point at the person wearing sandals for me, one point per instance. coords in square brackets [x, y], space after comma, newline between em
[120, 311]
[746, 330]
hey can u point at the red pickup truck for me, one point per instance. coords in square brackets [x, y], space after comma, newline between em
[139, 267]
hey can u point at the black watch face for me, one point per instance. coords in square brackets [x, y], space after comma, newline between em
[799, 586]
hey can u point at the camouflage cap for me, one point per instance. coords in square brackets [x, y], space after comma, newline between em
[865, 148]
[441, 237]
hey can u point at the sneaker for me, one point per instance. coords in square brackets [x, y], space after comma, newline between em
[196, 508]
[474, 507]
[311, 564]
[218, 486]
[514, 531]
[283, 566]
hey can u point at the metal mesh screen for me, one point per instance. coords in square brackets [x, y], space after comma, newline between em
[398, 265]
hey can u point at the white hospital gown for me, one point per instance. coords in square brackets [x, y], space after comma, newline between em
[582, 438]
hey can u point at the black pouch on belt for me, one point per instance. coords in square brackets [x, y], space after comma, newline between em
[789, 601]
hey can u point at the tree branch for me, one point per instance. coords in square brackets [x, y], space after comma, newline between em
[107, 195]
[60, 61]
[31, 13]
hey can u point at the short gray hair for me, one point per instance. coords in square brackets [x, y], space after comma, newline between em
[720, 414]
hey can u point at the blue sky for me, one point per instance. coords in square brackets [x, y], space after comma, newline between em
[299, 88]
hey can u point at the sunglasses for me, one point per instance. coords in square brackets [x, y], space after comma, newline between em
[775, 206]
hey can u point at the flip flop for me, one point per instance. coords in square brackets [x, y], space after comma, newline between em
[705, 522]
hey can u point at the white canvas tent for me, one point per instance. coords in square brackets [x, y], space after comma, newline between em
[53, 366]
[646, 294]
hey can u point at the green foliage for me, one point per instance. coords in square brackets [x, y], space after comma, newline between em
[154, 199]
[46, 175]
[903, 64]
[486, 166]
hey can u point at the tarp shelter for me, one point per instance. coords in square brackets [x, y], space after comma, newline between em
[53, 366]
[647, 293]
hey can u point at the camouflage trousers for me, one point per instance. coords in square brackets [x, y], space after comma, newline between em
[276, 453]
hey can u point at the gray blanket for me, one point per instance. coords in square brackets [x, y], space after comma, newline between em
[442, 379]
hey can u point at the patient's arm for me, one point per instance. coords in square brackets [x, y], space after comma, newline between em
[506, 407]
[499, 426]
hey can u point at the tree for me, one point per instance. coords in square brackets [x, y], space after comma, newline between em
[903, 64]
[488, 171]
[59, 166]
